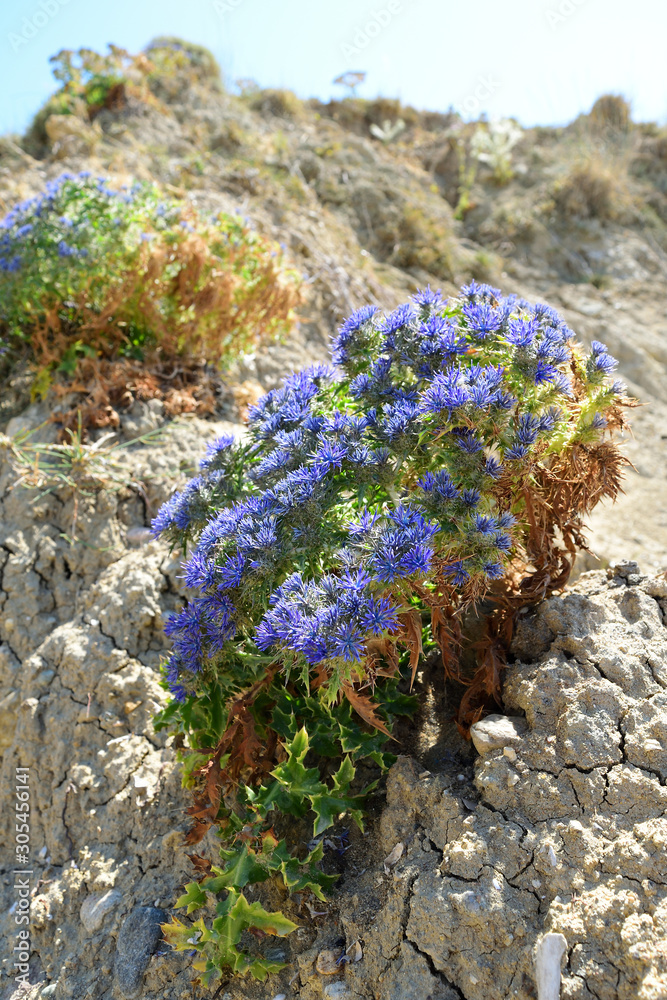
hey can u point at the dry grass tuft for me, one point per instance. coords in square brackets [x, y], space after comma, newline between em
[278, 103]
[611, 112]
[590, 191]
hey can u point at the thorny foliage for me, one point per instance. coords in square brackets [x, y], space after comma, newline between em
[447, 459]
[90, 272]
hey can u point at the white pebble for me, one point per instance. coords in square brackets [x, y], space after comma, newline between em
[548, 956]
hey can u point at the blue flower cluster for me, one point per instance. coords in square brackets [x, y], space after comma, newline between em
[394, 467]
[19, 224]
[391, 546]
[327, 619]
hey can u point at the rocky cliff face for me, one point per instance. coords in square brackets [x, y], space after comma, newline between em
[578, 219]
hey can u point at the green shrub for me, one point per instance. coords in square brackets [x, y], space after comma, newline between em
[177, 65]
[446, 461]
[85, 269]
[89, 82]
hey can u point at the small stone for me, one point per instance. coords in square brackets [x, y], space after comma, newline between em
[275, 954]
[96, 906]
[548, 955]
[355, 952]
[553, 860]
[327, 963]
[50, 990]
[139, 937]
[138, 536]
[510, 753]
[393, 857]
[337, 991]
[497, 731]
[623, 569]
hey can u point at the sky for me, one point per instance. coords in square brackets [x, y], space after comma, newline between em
[539, 61]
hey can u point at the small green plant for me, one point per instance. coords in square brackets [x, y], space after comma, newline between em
[131, 272]
[493, 143]
[467, 170]
[90, 82]
[388, 131]
[447, 459]
[80, 468]
[175, 64]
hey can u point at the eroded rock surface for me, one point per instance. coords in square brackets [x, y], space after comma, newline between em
[81, 640]
[570, 832]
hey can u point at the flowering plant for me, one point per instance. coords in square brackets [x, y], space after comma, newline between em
[87, 269]
[447, 456]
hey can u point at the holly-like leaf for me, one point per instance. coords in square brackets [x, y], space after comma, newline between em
[178, 934]
[235, 915]
[300, 876]
[193, 898]
[242, 867]
[298, 781]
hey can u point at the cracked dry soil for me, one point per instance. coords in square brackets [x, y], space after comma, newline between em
[565, 831]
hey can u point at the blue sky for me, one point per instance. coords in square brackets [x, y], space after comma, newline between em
[541, 61]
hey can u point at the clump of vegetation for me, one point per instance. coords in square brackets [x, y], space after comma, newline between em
[279, 103]
[493, 144]
[610, 113]
[90, 82]
[81, 467]
[90, 271]
[388, 131]
[358, 115]
[589, 191]
[177, 64]
[446, 458]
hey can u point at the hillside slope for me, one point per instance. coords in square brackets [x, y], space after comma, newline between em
[575, 216]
